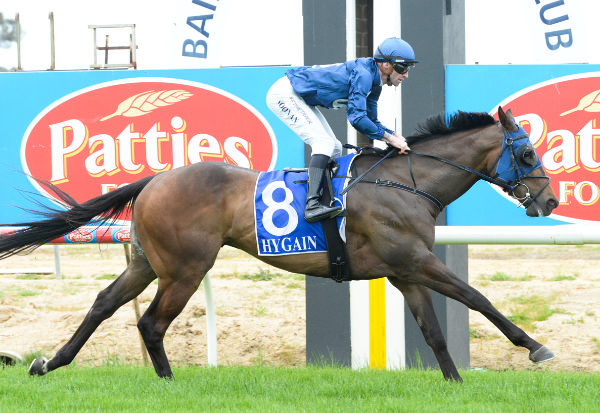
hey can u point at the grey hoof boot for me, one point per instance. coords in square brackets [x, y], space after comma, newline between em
[541, 354]
[39, 367]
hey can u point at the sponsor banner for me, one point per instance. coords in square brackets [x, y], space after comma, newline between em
[559, 106]
[91, 132]
[86, 235]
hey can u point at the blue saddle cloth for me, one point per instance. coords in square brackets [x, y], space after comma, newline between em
[279, 200]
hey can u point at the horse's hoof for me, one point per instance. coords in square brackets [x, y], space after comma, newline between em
[38, 367]
[541, 354]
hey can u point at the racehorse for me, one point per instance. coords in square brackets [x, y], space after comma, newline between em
[181, 219]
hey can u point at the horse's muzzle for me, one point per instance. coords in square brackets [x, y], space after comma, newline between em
[541, 207]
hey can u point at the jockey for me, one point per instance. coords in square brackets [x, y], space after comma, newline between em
[355, 85]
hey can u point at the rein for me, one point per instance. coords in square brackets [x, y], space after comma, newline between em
[361, 176]
[485, 177]
[414, 188]
[391, 184]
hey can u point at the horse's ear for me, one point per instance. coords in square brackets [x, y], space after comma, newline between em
[501, 114]
[507, 119]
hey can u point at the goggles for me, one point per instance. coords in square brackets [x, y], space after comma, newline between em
[402, 68]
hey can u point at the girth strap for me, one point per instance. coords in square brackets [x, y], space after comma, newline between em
[339, 267]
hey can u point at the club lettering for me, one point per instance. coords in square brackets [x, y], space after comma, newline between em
[198, 48]
[555, 39]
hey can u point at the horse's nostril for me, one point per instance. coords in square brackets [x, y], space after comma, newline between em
[552, 203]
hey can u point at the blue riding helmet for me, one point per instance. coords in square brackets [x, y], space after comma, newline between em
[395, 50]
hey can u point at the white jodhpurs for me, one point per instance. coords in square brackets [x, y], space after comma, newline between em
[306, 121]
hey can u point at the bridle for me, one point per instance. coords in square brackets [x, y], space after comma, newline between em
[514, 162]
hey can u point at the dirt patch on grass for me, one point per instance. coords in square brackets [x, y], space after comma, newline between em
[562, 283]
[261, 309]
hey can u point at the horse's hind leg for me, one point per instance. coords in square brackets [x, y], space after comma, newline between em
[170, 299]
[127, 286]
[419, 301]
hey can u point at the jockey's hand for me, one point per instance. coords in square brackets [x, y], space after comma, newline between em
[396, 141]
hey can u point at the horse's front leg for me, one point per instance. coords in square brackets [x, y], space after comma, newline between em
[419, 301]
[436, 276]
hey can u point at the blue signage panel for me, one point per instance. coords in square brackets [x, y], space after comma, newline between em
[89, 132]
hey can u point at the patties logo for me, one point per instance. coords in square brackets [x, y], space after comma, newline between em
[562, 117]
[112, 134]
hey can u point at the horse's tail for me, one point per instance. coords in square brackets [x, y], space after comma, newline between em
[104, 208]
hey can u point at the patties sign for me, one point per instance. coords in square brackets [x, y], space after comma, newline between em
[99, 138]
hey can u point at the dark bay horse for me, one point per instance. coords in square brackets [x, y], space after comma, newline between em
[183, 217]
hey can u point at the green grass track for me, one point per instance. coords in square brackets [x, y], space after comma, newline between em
[121, 388]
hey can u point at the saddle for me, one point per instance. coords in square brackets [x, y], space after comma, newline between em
[339, 267]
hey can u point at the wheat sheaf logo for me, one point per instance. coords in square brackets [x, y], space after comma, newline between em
[588, 103]
[146, 102]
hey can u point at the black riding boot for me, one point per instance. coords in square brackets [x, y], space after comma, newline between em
[315, 210]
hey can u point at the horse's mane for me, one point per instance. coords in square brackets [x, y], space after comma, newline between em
[441, 125]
